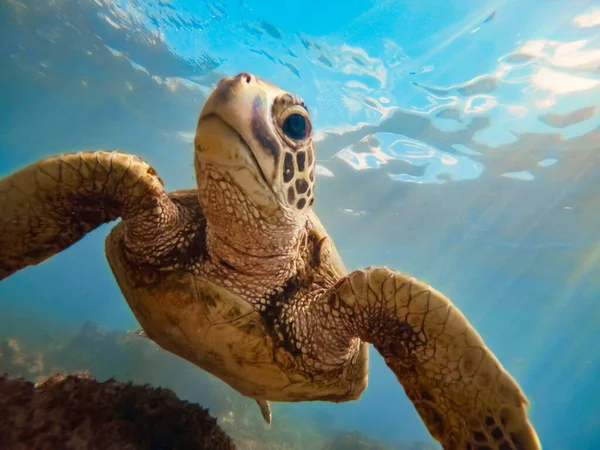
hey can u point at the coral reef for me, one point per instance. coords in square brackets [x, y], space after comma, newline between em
[77, 411]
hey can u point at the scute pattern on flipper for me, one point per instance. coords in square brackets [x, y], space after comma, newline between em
[452, 378]
[51, 204]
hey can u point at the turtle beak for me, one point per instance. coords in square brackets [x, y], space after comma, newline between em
[244, 102]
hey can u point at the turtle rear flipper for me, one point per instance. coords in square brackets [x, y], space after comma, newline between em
[265, 410]
[51, 204]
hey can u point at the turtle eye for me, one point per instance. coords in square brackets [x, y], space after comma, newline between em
[295, 126]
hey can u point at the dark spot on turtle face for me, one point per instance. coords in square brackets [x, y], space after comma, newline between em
[505, 446]
[489, 421]
[308, 193]
[301, 186]
[291, 195]
[288, 168]
[312, 175]
[301, 203]
[261, 130]
[301, 160]
[479, 436]
[497, 433]
[310, 156]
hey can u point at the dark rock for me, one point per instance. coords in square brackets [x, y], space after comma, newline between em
[78, 412]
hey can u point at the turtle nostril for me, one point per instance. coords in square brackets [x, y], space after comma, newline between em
[245, 76]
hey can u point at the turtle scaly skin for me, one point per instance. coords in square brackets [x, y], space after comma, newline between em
[240, 277]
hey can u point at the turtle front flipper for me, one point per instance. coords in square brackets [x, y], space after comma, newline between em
[461, 391]
[51, 204]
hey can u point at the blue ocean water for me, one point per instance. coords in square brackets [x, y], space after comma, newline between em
[456, 141]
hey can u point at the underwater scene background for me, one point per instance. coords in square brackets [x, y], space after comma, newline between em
[456, 141]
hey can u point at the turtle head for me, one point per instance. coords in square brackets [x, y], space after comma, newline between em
[255, 139]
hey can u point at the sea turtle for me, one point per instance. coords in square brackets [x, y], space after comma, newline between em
[240, 277]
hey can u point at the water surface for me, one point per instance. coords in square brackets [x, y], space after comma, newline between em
[456, 141]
